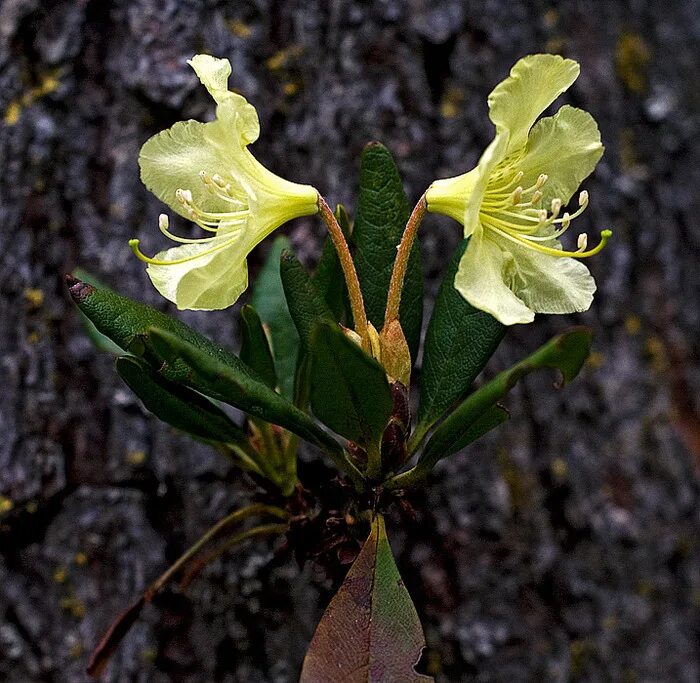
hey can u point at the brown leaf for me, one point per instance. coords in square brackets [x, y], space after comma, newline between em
[370, 632]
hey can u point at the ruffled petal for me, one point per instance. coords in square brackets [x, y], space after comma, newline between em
[173, 159]
[211, 282]
[566, 147]
[534, 83]
[547, 284]
[214, 74]
[481, 280]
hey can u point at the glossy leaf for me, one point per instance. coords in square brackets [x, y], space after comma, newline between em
[370, 632]
[306, 305]
[255, 348]
[566, 352]
[382, 212]
[179, 406]
[459, 341]
[349, 389]
[328, 279]
[270, 303]
[237, 386]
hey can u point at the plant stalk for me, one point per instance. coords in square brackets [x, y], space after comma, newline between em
[347, 264]
[403, 253]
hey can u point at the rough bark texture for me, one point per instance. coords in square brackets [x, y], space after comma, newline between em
[562, 547]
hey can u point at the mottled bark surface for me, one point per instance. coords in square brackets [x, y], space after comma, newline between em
[562, 547]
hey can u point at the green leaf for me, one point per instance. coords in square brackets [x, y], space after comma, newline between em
[370, 632]
[382, 212]
[328, 280]
[126, 323]
[99, 340]
[458, 343]
[566, 352]
[349, 389]
[179, 406]
[237, 386]
[270, 303]
[255, 348]
[306, 306]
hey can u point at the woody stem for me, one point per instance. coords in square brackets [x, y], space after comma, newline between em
[346, 263]
[403, 253]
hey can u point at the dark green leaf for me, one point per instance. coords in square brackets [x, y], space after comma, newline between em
[567, 352]
[459, 341]
[99, 340]
[349, 389]
[270, 303]
[255, 349]
[177, 405]
[382, 212]
[238, 386]
[306, 306]
[328, 280]
[126, 323]
[370, 632]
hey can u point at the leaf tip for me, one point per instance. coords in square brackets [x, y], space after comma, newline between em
[78, 289]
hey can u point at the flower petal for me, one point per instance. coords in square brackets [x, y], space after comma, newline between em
[534, 83]
[481, 280]
[173, 159]
[214, 74]
[210, 282]
[547, 284]
[566, 147]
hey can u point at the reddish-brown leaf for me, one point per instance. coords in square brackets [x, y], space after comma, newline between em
[370, 632]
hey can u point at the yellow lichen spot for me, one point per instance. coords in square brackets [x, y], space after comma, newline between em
[559, 469]
[74, 606]
[34, 297]
[80, 559]
[76, 649]
[632, 58]
[555, 45]
[48, 83]
[239, 28]
[282, 58]
[6, 505]
[12, 113]
[136, 458]
[60, 575]
[596, 360]
[451, 103]
[149, 655]
[633, 324]
[658, 356]
[291, 88]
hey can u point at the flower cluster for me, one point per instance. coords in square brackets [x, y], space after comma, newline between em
[512, 205]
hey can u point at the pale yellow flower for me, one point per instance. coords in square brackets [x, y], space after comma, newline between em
[511, 203]
[205, 172]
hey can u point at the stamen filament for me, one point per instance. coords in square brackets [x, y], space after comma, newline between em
[134, 244]
[605, 235]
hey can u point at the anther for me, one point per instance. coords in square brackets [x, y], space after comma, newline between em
[583, 198]
[566, 221]
[163, 222]
[556, 207]
[183, 196]
[536, 196]
[517, 195]
[541, 180]
[582, 241]
[542, 216]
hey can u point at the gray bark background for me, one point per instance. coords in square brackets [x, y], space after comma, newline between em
[563, 547]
